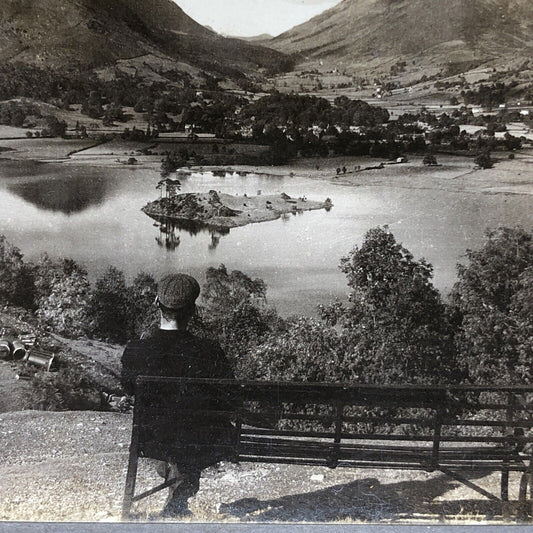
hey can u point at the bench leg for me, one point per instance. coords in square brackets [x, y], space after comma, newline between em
[525, 479]
[505, 494]
[129, 489]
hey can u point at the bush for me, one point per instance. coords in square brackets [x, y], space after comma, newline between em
[429, 160]
[64, 310]
[143, 314]
[16, 278]
[108, 306]
[305, 350]
[484, 161]
[67, 389]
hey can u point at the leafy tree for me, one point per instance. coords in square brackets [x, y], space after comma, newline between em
[305, 349]
[484, 160]
[64, 309]
[108, 307]
[396, 323]
[143, 314]
[54, 127]
[429, 160]
[225, 291]
[234, 308]
[16, 278]
[493, 302]
[170, 164]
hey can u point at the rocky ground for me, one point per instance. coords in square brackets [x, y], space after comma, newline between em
[71, 466]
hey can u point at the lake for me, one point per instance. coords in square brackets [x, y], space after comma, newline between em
[92, 214]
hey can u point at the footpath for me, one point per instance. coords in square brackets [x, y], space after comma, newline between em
[71, 466]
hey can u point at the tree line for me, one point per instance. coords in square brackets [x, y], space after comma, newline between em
[394, 327]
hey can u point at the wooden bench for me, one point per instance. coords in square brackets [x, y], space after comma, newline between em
[457, 430]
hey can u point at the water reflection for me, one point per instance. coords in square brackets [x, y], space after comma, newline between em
[68, 195]
[169, 230]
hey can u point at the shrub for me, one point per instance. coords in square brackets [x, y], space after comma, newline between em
[484, 161]
[107, 308]
[142, 312]
[305, 350]
[429, 160]
[67, 389]
[16, 278]
[64, 310]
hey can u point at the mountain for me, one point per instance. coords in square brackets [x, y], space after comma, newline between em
[360, 33]
[99, 32]
[263, 38]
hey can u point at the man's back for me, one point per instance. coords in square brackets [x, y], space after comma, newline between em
[173, 353]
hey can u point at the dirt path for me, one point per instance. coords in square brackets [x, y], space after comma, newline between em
[71, 467]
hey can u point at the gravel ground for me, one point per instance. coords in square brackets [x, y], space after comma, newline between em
[71, 466]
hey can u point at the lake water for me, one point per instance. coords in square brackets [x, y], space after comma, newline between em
[92, 214]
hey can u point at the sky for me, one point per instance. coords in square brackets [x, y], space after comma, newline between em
[253, 17]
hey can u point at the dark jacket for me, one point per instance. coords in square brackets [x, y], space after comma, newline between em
[197, 440]
[173, 353]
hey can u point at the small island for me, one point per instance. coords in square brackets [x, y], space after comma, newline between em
[224, 211]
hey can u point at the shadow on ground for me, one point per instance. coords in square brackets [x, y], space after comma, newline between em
[366, 500]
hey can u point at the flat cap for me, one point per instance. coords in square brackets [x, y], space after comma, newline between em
[176, 291]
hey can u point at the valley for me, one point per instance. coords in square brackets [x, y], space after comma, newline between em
[354, 196]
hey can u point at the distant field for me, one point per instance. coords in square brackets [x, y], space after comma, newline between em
[9, 132]
[209, 148]
[44, 149]
[117, 147]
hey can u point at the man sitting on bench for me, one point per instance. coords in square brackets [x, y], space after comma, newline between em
[172, 351]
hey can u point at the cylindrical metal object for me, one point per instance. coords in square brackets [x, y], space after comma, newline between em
[43, 359]
[28, 339]
[19, 350]
[5, 349]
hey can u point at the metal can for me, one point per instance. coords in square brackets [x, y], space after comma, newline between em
[5, 349]
[19, 350]
[39, 358]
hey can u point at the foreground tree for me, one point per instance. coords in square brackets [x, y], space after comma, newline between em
[16, 278]
[305, 349]
[493, 301]
[234, 309]
[62, 293]
[108, 307]
[395, 327]
[142, 312]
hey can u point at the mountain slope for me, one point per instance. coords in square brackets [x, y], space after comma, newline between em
[454, 30]
[100, 32]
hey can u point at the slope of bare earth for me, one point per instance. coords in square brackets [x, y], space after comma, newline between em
[71, 466]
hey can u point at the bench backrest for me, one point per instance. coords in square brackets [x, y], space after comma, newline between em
[318, 423]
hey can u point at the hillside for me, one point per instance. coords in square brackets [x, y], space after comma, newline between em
[359, 34]
[98, 32]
